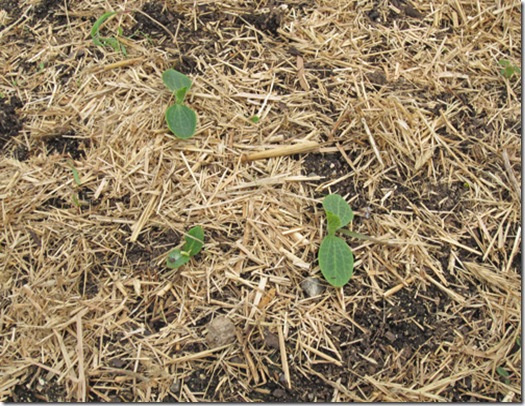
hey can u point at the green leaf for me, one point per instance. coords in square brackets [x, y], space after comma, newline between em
[338, 206]
[76, 176]
[508, 68]
[174, 80]
[194, 241]
[176, 258]
[502, 372]
[98, 24]
[336, 261]
[181, 120]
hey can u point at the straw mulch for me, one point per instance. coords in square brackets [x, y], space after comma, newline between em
[406, 114]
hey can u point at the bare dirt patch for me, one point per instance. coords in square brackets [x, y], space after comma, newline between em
[415, 126]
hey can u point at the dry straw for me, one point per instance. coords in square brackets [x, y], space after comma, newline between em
[409, 101]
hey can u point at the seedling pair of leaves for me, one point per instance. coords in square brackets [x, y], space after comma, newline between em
[181, 120]
[509, 69]
[336, 259]
[107, 41]
[194, 240]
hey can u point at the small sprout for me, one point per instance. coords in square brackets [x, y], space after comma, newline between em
[336, 259]
[181, 120]
[103, 41]
[504, 374]
[74, 197]
[255, 119]
[76, 176]
[194, 240]
[509, 69]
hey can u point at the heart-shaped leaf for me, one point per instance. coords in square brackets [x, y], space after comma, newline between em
[338, 206]
[175, 80]
[181, 120]
[194, 241]
[336, 261]
[176, 258]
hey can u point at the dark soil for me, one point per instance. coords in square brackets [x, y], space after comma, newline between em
[10, 123]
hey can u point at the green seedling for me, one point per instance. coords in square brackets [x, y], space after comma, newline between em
[181, 120]
[194, 240]
[76, 176]
[336, 259]
[504, 374]
[254, 119]
[109, 41]
[508, 69]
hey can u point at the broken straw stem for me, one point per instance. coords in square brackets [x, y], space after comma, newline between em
[303, 147]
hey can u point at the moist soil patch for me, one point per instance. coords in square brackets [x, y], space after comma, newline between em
[414, 125]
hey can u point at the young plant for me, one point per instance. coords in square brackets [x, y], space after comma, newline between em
[336, 259]
[103, 41]
[194, 240]
[509, 69]
[181, 120]
[504, 374]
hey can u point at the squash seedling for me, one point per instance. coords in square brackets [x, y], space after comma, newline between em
[336, 259]
[103, 41]
[194, 240]
[181, 120]
[508, 69]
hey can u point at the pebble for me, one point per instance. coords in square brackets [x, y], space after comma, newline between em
[312, 287]
[279, 393]
[221, 331]
[175, 387]
[270, 339]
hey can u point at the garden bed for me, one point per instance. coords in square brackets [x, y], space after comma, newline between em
[409, 114]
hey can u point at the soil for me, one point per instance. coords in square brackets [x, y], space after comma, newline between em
[393, 332]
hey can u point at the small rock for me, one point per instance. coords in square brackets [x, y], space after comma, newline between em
[236, 359]
[270, 339]
[175, 387]
[117, 363]
[279, 393]
[221, 331]
[312, 287]
[390, 336]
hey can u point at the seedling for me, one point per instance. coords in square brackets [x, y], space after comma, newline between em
[103, 41]
[76, 177]
[181, 120]
[194, 240]
[336, 259]
[504, 374]
[509, 69]
[254, 119]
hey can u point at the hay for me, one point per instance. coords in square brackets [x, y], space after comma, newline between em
[407, 103]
